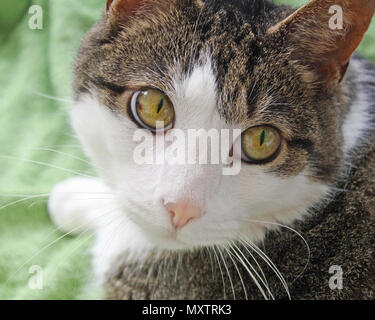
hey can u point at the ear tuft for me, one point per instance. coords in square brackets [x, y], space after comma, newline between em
[323, 35]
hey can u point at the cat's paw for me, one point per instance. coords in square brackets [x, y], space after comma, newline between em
[75, 205]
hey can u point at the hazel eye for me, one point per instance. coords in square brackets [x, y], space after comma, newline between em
[152, 107]
[260, 144]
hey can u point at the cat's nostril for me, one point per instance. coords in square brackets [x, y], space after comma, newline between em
[172, 214]
[182, 213]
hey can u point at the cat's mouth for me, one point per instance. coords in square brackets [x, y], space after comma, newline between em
[170, 238]
[181, 239]
[159, 235]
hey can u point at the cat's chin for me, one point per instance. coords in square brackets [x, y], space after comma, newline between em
[168, 241]
[180, 241]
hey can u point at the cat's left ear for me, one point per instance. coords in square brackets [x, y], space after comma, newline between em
[323, 35]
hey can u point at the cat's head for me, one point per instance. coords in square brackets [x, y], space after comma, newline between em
[275, 74]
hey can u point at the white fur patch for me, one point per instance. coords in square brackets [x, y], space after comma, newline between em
[195, 96]
[357, 122]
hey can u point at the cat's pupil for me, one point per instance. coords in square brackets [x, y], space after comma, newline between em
[262, 138]
[160, 106]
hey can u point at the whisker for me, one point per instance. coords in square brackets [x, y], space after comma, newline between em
[221, 271]
[208, 249]
[258, 265]
[36, 203]
[63, 153]
[238, 271]
[47, 165]
[299, 235]
[22, 200]
[73, 146]
[229, 276]
[47, 96]
[246, 263]
[30, 197]
[269, 263]
[160, 270]
[16, 195]
[235, 255]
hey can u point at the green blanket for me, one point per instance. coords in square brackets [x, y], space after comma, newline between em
[38, 148]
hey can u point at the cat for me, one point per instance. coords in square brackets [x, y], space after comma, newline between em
[304, 104]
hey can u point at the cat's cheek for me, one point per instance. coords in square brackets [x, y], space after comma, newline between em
[105, 138]
[261, 200]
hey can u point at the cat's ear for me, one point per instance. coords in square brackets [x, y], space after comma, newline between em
[323, 35]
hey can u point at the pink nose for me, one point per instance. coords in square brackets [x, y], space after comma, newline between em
[182, 213]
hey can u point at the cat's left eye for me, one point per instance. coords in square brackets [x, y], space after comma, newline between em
[260, 144]
[152, 110]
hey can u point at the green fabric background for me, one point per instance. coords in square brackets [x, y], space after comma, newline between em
[35, 63]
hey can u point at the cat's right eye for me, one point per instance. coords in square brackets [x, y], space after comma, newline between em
[152, 110]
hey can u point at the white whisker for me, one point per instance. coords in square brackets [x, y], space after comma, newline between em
[246, 263]
[258, 265]
[298, 234]
[268, 262]
[63, 153]
[238, 271]
[47, 165]
[47, 96]
[229, 276]
[22, 200]
[221, 271]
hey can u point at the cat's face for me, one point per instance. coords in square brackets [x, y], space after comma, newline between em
[219, 69]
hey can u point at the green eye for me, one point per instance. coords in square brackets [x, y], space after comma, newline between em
[260, 144]
[151, 107]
